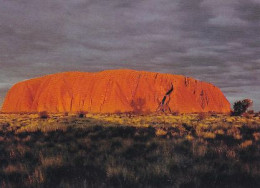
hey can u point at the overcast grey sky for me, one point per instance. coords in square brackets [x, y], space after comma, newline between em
[217, 41]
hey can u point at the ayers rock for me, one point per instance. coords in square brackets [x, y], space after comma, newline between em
[114, 91]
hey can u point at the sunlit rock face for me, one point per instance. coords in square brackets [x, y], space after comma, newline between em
[115, 91]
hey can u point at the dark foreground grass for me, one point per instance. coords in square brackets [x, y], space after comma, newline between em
[98, 154]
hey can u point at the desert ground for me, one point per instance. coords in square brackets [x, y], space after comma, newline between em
[127, 150]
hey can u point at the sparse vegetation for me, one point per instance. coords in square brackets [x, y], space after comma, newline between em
[129, 151]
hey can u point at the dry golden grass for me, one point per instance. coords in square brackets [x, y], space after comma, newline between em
[246, 143]
[122, 150]
[160, 132]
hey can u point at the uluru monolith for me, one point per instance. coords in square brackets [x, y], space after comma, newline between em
[114, 91]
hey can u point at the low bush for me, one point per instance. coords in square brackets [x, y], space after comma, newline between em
[81, 114]
[43, 115]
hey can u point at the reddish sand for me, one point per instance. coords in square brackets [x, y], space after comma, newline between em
[114, 91]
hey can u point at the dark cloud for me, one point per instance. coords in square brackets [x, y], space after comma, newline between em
[215, 41]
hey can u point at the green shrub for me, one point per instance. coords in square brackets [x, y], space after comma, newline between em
[241, 107]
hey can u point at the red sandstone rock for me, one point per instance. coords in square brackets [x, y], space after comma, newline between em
[114, 91]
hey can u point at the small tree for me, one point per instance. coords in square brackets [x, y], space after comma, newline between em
[241, 107]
